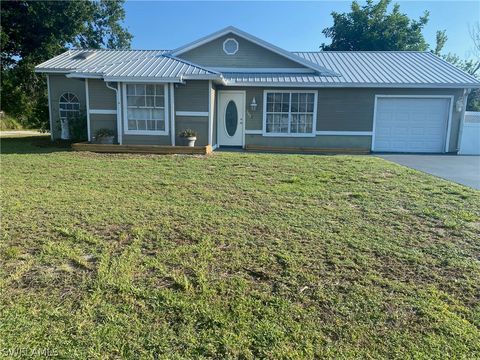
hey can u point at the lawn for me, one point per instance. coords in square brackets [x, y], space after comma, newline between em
[235, 255]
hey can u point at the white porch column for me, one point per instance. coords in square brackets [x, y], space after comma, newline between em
[119, 115]
[87, 100]
[210, 113]
[50, 118]
[172, 113]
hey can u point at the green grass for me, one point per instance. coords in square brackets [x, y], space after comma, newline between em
[9, 123]
[236, 255]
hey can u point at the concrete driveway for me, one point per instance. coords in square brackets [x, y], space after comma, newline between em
[463, 170]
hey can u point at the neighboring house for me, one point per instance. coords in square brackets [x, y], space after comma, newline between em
[235, 89]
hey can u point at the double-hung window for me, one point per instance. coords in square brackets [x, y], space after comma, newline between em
[146, 109]
[289, 113]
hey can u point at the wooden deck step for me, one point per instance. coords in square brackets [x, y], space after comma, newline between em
[142, 149]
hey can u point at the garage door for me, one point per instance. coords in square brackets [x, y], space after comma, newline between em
[404, 124]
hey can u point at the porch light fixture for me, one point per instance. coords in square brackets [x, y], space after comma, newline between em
[459, 104]
[253, 104]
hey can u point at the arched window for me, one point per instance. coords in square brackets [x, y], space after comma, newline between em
[69, 108]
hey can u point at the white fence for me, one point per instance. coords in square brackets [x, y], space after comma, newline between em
[470, 142]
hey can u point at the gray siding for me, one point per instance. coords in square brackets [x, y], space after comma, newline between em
[248, 55]
[100, 97]
[192, 96]
[327, 142]
[196, 123]
[59, 84]
[339, 110]
[146, 140]
[102, 121]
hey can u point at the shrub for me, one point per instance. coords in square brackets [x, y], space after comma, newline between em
[100, 133]
[78, 127]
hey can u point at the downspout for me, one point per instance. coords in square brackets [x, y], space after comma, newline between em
[466, 92]
[119, 111]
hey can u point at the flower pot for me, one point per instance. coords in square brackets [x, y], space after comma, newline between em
[191, 141]
[104, 140]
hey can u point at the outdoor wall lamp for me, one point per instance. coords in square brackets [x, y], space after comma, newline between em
[253, 104]
[459, 104]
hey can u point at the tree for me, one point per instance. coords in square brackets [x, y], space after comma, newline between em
[34, 31]
[470, 66]
[371, 27]
[440, 41]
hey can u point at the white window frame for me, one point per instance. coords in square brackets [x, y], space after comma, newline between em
[60, 102]
[314, 124]
[225, 49]
[126, 131]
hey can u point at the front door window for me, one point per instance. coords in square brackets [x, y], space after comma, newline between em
[231, 118]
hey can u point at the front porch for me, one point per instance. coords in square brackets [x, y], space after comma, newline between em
[142, 149]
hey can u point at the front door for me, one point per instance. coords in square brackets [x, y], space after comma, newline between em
[230, 117]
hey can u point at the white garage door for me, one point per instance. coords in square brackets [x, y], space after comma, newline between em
[404, 124]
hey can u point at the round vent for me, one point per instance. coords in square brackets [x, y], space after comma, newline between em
[230, 46]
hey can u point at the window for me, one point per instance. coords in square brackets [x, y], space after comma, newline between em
[230, 46]
[146, 109]
[69, 107]
[289, 113]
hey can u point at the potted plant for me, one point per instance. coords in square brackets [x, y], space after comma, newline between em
[104, 136]
[190, 136]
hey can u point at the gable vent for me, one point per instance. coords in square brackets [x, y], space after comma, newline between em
[230, 46]
[84, 55]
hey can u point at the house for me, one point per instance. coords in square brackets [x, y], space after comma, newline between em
[235, 89]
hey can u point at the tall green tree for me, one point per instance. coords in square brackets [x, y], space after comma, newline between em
[372, 27]
[470, 66]
[34, 31]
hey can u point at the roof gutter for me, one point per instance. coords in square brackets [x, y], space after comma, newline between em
[74, 75]
[349, 85]
[142, 79]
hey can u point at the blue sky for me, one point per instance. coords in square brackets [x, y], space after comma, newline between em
[291, 25]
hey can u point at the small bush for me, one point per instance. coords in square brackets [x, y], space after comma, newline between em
[187, 133]
[104, 132]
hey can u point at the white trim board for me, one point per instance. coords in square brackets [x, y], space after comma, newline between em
[192, 113]
[119, 114]
[102, 111]
[172, 113]
[254, 132]
[50, 117]
[87, 100]
[449, 120]
[211, 104]
[344, 133]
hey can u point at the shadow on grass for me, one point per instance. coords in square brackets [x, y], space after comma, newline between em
[32, 145]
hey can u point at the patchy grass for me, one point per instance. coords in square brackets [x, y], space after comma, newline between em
[234, 256]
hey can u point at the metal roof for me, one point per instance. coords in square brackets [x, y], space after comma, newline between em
[389, 68]
[69, 60]
[356, 69]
